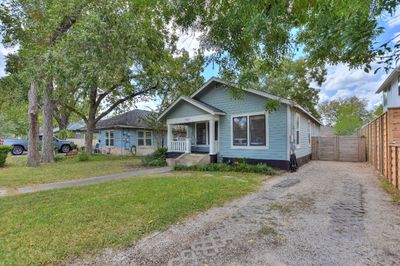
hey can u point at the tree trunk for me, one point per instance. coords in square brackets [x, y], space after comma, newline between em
[33, 138]
[62, 119]
[91, 121]
[47, 144]
[90, 125]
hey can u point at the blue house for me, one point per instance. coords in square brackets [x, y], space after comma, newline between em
[128, 133]
[211, 122]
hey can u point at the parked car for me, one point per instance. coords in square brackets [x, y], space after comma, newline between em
[21, 145]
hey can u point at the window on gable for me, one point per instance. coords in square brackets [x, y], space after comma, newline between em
[385, 98]
[144, 138]
[398, 86]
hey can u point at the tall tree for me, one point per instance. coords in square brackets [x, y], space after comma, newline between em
[37, 27]
[266, 32]
[33, 112]
[345, 114]
[293, 79]
[121, 52]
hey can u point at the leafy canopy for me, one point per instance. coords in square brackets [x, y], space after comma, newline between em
[346, 115]
[243, 32]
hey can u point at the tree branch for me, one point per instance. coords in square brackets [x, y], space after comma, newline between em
[114, 105]
[74, 110]
[65, 25]
[104, 94]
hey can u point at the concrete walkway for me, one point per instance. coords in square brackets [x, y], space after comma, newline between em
[84, 181]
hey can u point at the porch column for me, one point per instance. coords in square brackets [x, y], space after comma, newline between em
[169, 136]
[212, 136]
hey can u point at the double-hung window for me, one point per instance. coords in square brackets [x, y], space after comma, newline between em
[297, 130]
[109, 134]
[144, 138]
[250, 131]
[309, 133]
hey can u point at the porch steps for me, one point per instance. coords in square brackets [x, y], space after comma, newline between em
[189, 159]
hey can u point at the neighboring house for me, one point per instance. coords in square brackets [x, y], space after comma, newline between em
[390, 89]
[126, 133]
[211, 121]
[78, 130]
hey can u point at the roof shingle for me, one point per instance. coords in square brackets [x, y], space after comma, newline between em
[134, 119]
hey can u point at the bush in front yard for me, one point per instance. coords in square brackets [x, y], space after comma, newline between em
[83, 156]
[4, 150]
[241, 167]
[156, 159]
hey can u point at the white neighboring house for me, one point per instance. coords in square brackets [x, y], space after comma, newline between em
[390, 89]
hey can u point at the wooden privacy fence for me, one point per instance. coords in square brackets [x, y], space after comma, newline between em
[339, 148]
[383, 139]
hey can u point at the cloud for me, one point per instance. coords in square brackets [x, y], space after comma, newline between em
[396, 37]
[190, 41]
[148, 104]
[8, 50]
[344, 82]
[3, 53]
[394, 20]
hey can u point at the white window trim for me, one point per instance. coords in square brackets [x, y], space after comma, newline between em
[298, 146]
[109, 138]
[195, 135]
[144, 138]
[248, 147]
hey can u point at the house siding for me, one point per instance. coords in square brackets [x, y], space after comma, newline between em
[124, 139]
[184, 109]
[393, 97]
[304, 149]
[221, 98]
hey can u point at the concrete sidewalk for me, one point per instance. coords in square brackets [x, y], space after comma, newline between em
[84, 181]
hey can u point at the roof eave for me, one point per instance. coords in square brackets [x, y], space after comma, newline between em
[388, 80]
[191, 101]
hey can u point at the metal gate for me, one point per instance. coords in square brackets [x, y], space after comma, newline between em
[339, 148]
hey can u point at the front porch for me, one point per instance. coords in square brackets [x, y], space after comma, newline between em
[196, 134]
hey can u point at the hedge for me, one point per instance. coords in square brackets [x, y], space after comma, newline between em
[241, 167]
[4, 150]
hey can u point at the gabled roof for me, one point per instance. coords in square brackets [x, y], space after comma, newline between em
[131, 119]
[201, 105]
[253, 91]
[388, 81]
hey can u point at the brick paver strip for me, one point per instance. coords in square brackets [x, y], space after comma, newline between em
[85, 181]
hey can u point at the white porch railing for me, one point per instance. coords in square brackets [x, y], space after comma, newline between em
[180, 146]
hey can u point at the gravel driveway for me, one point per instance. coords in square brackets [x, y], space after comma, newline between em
[328, 213]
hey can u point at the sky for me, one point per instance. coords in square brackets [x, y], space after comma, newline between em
[340, 80]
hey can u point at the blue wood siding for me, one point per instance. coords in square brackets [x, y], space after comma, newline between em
[304, 148]
[185, 109]
[221, 98]
[124, 138]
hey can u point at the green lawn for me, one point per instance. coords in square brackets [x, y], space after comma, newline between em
[52, 226]
[16, 174]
